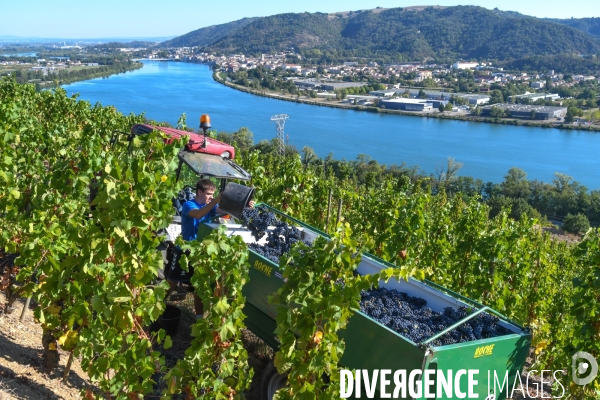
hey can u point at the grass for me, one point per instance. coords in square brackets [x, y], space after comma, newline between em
[10, 68]
[79, 67]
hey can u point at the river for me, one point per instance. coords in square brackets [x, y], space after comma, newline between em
[30, 54]
[165, 90]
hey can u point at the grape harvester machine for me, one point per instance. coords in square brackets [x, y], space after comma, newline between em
[371, 345]
[203, 156]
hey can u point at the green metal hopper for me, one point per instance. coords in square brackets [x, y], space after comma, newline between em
[373, 346]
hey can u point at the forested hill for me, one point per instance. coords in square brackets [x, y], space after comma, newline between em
[414, 33]
[208, 35]
[587, 25]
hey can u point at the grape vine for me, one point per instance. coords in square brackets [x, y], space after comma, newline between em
[511, 266]
[8, 273]
[311, 311]
[216, 364]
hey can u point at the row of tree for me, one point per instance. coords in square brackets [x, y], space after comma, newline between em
[563, 198]
[69, 75]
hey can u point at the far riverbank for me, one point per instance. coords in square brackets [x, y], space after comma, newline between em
[434, 114]
[79, 74]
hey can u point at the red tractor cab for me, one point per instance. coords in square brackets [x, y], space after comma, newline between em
[197, 143]
[204, 156]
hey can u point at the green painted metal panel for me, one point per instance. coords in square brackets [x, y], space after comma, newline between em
[491, 357]
[265, 280]
[261, 325]
[370, 345]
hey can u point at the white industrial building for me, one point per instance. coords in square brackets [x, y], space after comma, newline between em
[464, 65]
[532, 97]
[527, 111]
[475, 99]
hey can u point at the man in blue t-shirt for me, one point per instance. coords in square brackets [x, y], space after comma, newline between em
[200, 209]
[194, 212]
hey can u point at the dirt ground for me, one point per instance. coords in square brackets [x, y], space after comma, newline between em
[558, 234]
[21, 372]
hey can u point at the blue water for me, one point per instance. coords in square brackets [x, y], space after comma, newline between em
[19, 55]
[165, 90]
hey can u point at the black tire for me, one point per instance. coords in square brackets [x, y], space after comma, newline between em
[271, 381]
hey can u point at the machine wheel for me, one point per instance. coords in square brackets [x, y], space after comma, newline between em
[271, 382]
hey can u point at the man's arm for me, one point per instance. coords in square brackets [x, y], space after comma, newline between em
[202, 212]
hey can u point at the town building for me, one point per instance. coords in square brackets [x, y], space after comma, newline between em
[383, 93]
[310, 84]
[407, 104]
[537, 85]
[422, 75]
[341, 85]
[429, 94]
[293, 67]
[325, 95]
[360, 100]
[527, 111]
[475, 99]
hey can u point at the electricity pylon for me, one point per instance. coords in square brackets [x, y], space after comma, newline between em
[280, 122]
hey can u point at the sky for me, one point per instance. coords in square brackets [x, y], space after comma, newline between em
[160, 18]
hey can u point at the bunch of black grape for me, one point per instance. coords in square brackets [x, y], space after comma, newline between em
[8, 272]
[410, 317]
[257, 220]
[7, 266]
[280, 239]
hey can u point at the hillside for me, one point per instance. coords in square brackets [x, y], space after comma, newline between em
[415, 33]
[282, 32]
[560, 63]
[590, 26]
[464, 31]
[208, 35]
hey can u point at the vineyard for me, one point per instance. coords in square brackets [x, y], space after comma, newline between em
[82, 208]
